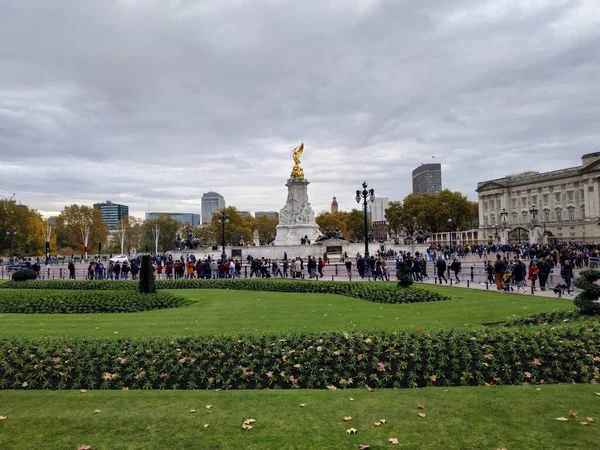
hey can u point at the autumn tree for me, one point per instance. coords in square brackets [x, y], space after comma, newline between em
[21, 230]
[441, 212]
[244, 225]
[356, 225]
[167, 232]
[266, 226]
[71, 225]
[332, 221]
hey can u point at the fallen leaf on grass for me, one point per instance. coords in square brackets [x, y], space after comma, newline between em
[364, 447]
[351, 430]
[331, 387]
[2, 417]
[351, 399]
[249, 421]
[537, 362]
[421, 406]
[347, 418]
[302, 405]
[370, 389]
[208, 406]
[572, 413]
[377, 424]
[597, 393]
[206, 425]
[589, 419]
[83, 391]
[97, 411]
[422, 415]
[382, 420]
[583, 423]
[562, 419]
[394, 441]
[192, 411]
[246, 427]
[84, 447]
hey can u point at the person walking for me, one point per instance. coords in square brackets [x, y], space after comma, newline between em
[490, 273]
[499, 270]
[519, 273]
[532, 274]
[543, 272]
[566, 273]
[348, 264]
[440, 265]
[455, 267]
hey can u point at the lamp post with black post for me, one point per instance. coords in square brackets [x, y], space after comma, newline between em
[450, 229]
[533, 211]
[11, 236]
[223, 218]
[504, 215]
[366, 195]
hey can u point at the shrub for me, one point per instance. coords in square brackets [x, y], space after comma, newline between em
[147, 284]
[565, 354]
[373, 292]
[587, 300]
[403, 275]
[24, 275]
[84, 302]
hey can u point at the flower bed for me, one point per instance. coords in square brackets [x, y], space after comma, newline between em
[374, 292]
[83, 302]
[563, 354]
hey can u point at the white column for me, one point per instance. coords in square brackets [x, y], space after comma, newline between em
[586, 199]
[481, 200]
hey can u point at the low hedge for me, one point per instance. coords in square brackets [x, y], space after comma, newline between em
[84, 302]
[561, 354]
[24, 275]
[545, 318]
[373, 291]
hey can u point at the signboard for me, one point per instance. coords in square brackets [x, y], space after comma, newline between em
[333, 249]
[236, 252]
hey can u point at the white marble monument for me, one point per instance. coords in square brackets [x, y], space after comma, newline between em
[297, 219]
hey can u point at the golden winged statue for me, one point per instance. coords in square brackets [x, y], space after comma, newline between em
[297, 171]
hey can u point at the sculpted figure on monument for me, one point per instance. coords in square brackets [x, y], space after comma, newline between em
[297, 171]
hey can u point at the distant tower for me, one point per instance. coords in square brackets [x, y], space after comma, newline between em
[334, 205]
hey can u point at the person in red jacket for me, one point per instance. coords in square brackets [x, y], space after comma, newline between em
[532, 274]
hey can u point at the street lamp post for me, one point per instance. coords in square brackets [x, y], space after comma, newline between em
[11, 233]
[366, 195]
[450, 230]
[223, 219]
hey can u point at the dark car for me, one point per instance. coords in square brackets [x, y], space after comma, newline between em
[18, 265]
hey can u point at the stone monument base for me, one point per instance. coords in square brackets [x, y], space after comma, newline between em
[291, 234]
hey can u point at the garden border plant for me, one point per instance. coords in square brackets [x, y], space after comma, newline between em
[84, 302]
[526, 355]
[373, 291]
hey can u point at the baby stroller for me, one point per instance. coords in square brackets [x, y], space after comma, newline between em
[508, 279]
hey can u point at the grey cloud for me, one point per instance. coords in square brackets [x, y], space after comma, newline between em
[157, 102]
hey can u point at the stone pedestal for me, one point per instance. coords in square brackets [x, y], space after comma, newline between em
[296, 219]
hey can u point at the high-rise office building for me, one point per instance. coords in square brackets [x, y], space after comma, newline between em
[211, 202]
[378, 207]
[112, 213]
[269, 214]
[334, 205]
[185, 218]
[427, 179]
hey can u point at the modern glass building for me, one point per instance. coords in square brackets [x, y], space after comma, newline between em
[112, 213]
[211, 202]
[184, 218]
[268, 214]
[427, 179]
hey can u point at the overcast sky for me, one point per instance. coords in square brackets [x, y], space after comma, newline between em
[150, 103]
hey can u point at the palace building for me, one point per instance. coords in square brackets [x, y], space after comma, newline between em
[566, 203]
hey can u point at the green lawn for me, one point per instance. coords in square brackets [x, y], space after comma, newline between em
[230, 311]
[512, 417]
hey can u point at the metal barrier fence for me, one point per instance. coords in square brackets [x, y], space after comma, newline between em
[473, 272]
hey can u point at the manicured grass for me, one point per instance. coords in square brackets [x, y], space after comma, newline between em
[232, 312]
[512, 417]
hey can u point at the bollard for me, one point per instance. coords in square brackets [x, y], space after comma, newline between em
[435, 280]
[48, 272]
[450, 281]
[468, 283]
[560, 292]
[532, 289]
[245, 271]
[60, 275]
[472, 275]
[336, 270]
[331, 277]
[487, 285]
